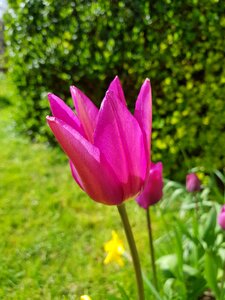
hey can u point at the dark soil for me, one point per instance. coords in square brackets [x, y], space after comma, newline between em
[207, 296]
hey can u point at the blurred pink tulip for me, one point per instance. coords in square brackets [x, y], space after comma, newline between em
[193, 183]
[153, 188]
[109, 148]
[221, 217]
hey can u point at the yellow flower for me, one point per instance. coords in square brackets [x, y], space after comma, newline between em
[114, 249]
[85, 297]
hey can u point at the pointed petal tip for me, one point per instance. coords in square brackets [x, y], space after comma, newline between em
[53, 97]
[146, 86]
[116, 87]
[50, 118]
[156, 166]
[115, 82]
[72, 89]
[50, 96]
[147, 81]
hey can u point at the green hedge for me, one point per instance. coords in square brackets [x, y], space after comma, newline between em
[179, 45]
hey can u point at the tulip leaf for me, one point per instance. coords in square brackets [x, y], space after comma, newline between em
[211, 272]
[208, 234]
[196, 286]
[152, 288]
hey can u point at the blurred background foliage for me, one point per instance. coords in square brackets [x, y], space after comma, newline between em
[179, 45]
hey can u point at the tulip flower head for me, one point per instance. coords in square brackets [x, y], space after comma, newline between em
[115, 250]
[221, 218]
[108, 148]
[193, 183]
[153, 189]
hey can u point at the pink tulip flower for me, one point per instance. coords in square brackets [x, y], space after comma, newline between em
[153, 188]
[221, 217]
[193, 183]
[109, 148]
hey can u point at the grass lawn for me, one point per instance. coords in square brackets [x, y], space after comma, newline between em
[51, 233]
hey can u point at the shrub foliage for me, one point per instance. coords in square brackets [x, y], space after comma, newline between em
[179, 45]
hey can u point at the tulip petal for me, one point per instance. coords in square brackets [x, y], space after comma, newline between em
[97, 177]
[120, 139]
[153, 188]
[86, 110]
[143, 112]
[63, 112]
[75, 174]
[116, 88]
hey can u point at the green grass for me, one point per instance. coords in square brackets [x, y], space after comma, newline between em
[51, 233]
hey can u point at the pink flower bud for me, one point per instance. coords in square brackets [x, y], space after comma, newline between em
[221, 217]
[153, 189]
[193, 183]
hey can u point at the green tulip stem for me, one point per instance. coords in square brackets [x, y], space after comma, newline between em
[222, 292]
[196, 218]
[196, 205]
[133, 250]
[152, 254]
